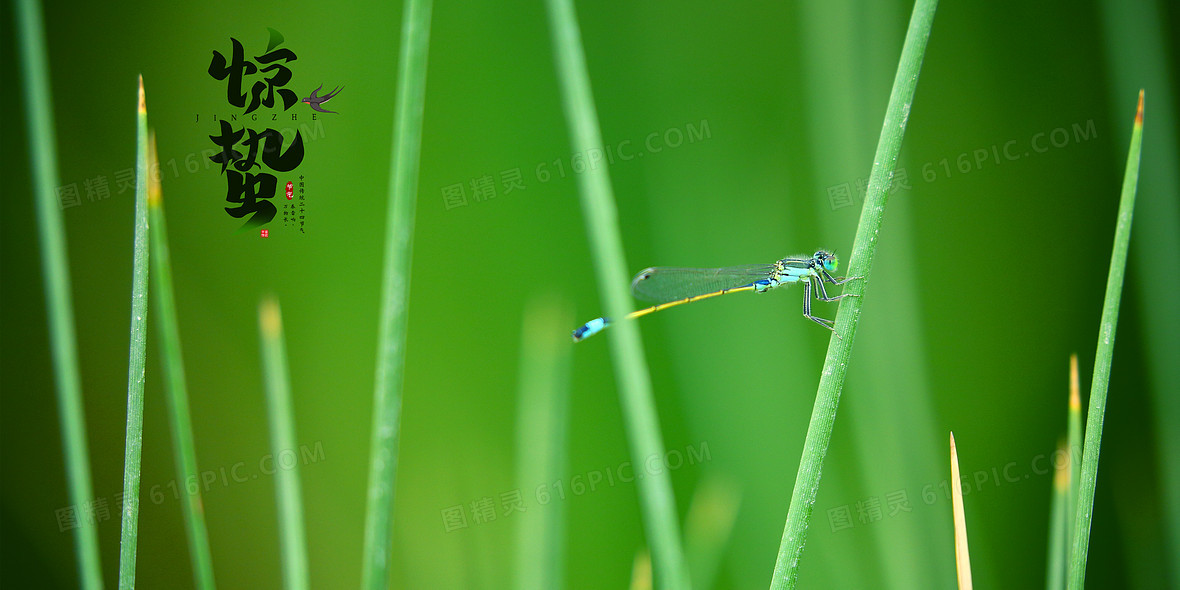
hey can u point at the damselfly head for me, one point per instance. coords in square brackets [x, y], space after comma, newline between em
[827, 260]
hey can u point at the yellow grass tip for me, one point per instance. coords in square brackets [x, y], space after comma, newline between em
[154, 194]
[269, 317]
[1075, 397]
[1061, 474]
[962, 555]
[142, 100]
[641, 571]
[1139, 111]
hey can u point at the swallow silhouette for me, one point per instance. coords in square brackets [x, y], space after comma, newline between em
[316, 101]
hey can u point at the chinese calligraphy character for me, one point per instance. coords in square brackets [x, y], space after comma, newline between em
[125, 180]
[511, 180]
[454, 518]
[840, 196]
[869, 510]
[483, 510]
[840, 518]
[67, 196]
[483, 188]
[454, 196]
[897, 501]
[67, 518]
[245, 190]
[236, 68]
[97, 188]
[512, 502]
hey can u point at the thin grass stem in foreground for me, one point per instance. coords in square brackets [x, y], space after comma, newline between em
[395, 293]
[641, 424]
[1103, 358]
[133, 450]
[175, 390]
[1074, 458]
[831, 384]
[292, 540]
[55, 269]
[1058, 538]
[708, 526]
[1065, 488]
[962, 554]
[541, 441]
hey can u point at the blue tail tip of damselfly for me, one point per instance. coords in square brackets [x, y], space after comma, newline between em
[589, 329]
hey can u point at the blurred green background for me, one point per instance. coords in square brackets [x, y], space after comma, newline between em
[741, 133]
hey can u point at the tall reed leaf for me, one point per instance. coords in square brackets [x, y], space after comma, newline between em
[395, 292]
[542, 411]
[1058, 537]
[55, 269]
[292, 539]
[602, 225]
[1103, 358]
[138, 356]
[823, 415]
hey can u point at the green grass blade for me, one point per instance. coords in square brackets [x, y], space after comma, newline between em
[175, 390]
[395, 292]
[1058, 524]
[1137, 37]
[1074, 460]
[55, 268]
[823, 416]
[708, 526]
[293, 541]
[1103, 357]
[541, 448]
[1065, 488]
[129, 537]
[602, 224]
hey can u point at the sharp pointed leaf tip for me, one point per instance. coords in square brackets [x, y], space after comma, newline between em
[1075, 398]
[1139, 111]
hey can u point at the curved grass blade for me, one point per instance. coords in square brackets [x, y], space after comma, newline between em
[823, 416]
[1103, 358]
[55, 269]
[602, 225]
[395, 293]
